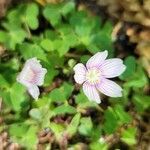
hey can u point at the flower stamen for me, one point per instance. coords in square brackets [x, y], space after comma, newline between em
[93, 76]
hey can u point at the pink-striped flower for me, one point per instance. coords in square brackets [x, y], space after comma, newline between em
[32, 76]
[95, 76]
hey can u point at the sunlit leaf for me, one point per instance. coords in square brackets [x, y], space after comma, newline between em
[73, 126]
[64, 109]
[35, 114]
[86, 126]
[32, 12]
[129, 136]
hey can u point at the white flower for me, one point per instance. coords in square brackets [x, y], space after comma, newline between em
[95, 76]
[32, 76]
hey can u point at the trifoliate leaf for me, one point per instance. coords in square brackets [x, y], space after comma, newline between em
[32, 50]
[52, 14]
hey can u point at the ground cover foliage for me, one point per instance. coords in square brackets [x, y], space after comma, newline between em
[60, 35]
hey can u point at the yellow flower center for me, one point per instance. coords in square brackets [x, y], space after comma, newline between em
[93, 76]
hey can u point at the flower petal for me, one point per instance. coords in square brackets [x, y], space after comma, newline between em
[38, 70]
[91, 92]
[34, 91]
[97, 59]
[24, 77]
[80, 72]
[34, 64]
[112, 68]
[109, 88]
[39, 79]
[32, 73]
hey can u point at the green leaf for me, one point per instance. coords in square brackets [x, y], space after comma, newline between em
[130, 63]
[61, 94]
[14, 18]
[3, 36]
[51, 73]
[61, 46]
[96, 131]
[115, 117]
[52, 14]
[81, 23]
[90, 34]
[18, 100]
[110, 123]
[67, 89]
[71, 63]
[141, 102]
[5, 95]
[122, 116]
[15, 37]
[67, 8]
[31, 17]
[45, 114]
[138, 80]
[83, 102]
[47, 45]
[32, 50]
[57, 130]
[97, 145]
[3, 82]
[129, 136]
[50, 34]
[86, 126]
[73, 126]
[35, 114]
[56, 60]
[66, 33]
[30, 138]
[18, 129]
[85, 58]
[64, 109]
[57, 96]
[9, 70]
[101, 40]
[24, 14]
[81, 98]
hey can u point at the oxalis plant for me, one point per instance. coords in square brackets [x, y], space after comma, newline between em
[51, 51]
